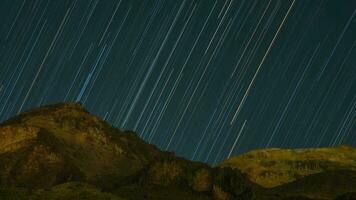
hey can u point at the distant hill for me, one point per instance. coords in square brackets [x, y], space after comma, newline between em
[273, 167]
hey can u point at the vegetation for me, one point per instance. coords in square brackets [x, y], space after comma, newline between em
[202, 180]
[165, 173]
[273, 167]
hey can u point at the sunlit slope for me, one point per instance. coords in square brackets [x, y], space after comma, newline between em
[48, 151]
[273, 167]
[60, 143]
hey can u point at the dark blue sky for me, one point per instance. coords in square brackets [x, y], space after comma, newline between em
[206, 79]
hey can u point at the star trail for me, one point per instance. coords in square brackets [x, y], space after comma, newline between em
[206, 79]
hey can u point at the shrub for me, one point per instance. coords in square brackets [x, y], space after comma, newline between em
[220, 194]
[165, 173]
[202, 180]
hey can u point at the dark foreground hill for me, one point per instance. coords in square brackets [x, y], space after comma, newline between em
[64, 152]
[325, 185]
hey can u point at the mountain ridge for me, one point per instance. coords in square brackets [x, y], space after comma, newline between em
[61, 143]
[62, 151]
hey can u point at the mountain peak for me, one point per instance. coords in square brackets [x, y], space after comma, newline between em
[55, 111]
[64, 142]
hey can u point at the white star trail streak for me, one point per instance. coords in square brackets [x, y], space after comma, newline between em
[153, 64]
[237, 139]
[165, 66]
[260, 65]
[337, 43]
[44, 60]
[17, 16]
[291, 98]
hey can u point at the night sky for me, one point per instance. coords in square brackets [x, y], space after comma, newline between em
[207, 79]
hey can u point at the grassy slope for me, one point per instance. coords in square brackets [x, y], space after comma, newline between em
[273, 167]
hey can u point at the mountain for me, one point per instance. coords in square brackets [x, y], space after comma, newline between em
[273, 167]
[57, 151]
[60, 143]
[63, 152]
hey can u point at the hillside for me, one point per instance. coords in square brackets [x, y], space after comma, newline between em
[44, 148]
[325, 185]
[273, 167]
[60, 143]
[64, 152]
[320, 186]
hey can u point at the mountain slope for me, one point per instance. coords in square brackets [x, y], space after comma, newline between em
[64, 152]
[63, 143]
[274, 167]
